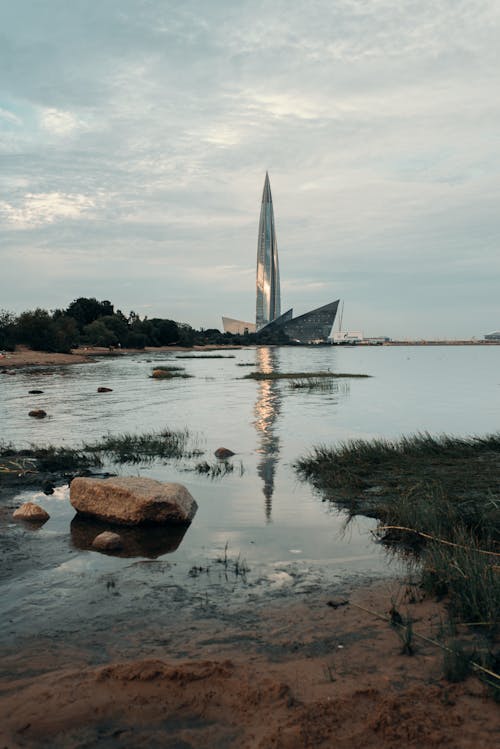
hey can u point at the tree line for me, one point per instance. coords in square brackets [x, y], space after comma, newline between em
[89, 322]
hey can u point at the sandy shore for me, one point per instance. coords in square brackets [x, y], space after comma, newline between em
[309, 674]
[25, 357]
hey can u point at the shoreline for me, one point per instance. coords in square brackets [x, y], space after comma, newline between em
[290, 674]
[25, 357]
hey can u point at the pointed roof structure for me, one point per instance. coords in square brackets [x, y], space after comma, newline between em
[268, 303]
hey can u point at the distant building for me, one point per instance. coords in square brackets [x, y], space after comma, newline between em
[493, 336]
[268, 306]
[347, 336]
[312, 327]
[237, 327]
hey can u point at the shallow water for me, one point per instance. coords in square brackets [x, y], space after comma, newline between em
[281, 534]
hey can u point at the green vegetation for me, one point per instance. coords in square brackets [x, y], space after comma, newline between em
[122, 448]
[89, 322]
[136, 448]
[168, 373]
[312, 383]
[205, 356]
[50, 458]
[168, 368]
[297, 375]
[218, 469]
[436, 497]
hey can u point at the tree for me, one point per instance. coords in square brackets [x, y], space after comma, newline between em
[36, 329]
[163, 332]
[85, 310]
[66, 334]
[97, 334]
[7, 330]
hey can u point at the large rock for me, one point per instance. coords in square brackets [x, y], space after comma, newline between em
[132, 500]
[32, 512]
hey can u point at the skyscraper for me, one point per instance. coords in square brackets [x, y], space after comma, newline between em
[312, 327]
[268, 274]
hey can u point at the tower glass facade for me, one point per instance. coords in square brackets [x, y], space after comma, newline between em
[268, 275]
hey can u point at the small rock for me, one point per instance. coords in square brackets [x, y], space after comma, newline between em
[107, 541]
[31, 511]
[223, 453]
[38, 413]
[35, 392]
[48, 487]
[336, 604]
[104, 390]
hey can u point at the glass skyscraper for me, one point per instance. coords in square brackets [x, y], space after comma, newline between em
[312, 327]
[268, 274]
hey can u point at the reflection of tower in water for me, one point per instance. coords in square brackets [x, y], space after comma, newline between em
[267, 409]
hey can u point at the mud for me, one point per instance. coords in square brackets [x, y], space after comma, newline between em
[104, 651]
[295, 674]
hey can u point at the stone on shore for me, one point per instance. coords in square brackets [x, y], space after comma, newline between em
[223, 452]
[107, 541]
[132, 500]
[38, 413]
[32, 512]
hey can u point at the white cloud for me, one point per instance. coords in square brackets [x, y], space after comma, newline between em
[9, 117]
[61, 123]
[37, 209]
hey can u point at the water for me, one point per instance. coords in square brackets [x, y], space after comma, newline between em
[260, 514]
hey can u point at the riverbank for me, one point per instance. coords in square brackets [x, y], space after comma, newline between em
[25, 357]
[317, 671]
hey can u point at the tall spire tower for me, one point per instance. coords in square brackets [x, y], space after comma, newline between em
[268, 274]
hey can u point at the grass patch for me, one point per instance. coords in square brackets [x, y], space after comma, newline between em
[168, 368]
[312, 383]
[219, 469]
[122, 448]
[203, 356]
[168, 373]
[19, 462]
[438, 497]
[297, 375]
[136, 448]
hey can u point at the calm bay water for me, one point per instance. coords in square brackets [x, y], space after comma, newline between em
[283, 531]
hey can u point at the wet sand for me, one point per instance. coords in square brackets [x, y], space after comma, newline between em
[300, 673]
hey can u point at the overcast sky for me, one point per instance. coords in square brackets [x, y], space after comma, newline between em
[135, 136]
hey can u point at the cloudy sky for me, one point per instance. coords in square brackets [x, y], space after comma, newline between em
[135, 136]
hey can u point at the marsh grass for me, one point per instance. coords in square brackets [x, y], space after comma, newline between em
[469, 577]
[136, 448]
[218, 469]
[121, 448]
[168, 373]
[204, 356]
[297, 375]
[45, 459]
[437, 498]
[312, 383]
[168, 368]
